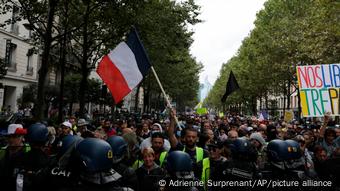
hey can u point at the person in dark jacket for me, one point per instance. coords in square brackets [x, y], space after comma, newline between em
[210, 168]
[149, 173]
[11, 156]
[93, 158]
[119, 151]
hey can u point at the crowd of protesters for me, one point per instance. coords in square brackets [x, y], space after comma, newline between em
[143, 151]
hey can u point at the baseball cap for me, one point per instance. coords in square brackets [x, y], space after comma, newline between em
[16, 129]
[67, 124]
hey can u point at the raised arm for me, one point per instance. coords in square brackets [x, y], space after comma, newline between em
[172, 137]
[324, 125]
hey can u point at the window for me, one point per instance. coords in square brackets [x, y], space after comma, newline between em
[15, 26]
[10, 55]
[29, 69]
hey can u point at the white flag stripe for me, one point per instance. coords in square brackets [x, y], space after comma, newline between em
[124, 59]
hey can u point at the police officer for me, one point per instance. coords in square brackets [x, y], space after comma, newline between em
[179, 167]
[36, 161]
[119, 154]
[63, 172]
[243, 164]
[284, 158]
[95, 166]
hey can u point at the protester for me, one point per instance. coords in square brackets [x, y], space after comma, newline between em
[147, 141]
[66, 129]
[232, 135]
[157, 141]
[190, 137]
[149, 173]
[12, 155]
[211, 166]
[229, 147]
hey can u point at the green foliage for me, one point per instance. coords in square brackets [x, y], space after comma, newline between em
[29, 95]
[163, 28]
[287, 33]
[72, 82]
[94, 27]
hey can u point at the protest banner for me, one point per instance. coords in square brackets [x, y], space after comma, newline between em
[319, 87]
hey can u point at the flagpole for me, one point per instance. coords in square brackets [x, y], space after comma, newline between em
[166, 97]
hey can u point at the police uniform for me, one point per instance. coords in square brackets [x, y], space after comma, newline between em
[179, 167]
[243, 164]
[129, 177]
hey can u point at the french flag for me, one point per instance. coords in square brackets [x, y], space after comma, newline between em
[124, 67]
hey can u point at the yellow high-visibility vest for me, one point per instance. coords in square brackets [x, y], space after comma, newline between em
[205, 170]
[199, 154]
[162, 157]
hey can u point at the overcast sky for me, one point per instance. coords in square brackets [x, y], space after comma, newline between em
[225, 24]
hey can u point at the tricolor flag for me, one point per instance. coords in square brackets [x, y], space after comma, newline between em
[124, 67]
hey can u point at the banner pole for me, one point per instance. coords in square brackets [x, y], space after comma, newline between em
[166, 97]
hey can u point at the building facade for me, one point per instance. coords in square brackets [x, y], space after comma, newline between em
[22, 64]
[21, 61]
[278, 103]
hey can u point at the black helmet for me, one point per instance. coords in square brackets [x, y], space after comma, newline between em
[119, 147]
[37, 133]
[179, 161]
[67, 142]
[242, 149]
[95, 155]
[239, 146]
[294, 151]
[279, 150]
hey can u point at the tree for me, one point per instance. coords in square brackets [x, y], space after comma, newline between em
[286, 33]
[40, 16]
[93, 27]
[164, 32]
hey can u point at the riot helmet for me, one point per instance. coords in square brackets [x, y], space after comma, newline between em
[94, 154]
[119, 148]
[243, 150]
[37, 133]
[179, 164]
[67, 142]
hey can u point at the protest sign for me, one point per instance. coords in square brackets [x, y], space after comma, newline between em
[319, 87]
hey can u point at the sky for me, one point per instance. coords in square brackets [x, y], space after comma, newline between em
[225, 24]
